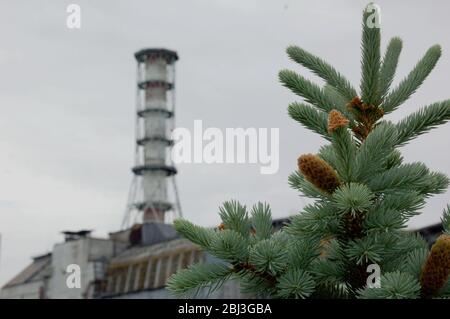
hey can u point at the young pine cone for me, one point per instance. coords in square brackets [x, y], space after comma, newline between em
[355, 103]
[318, 172]
[436, 270]
[336, 120]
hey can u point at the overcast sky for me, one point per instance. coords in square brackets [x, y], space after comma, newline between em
[67, 102]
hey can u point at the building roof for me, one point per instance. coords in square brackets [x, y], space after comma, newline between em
[37, 270]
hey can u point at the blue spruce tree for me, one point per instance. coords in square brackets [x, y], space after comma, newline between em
[364, 194]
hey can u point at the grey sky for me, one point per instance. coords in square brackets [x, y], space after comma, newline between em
[67, 102]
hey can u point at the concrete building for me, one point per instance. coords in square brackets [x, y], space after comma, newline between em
[30, 283]
[47, 275]
[133, 263]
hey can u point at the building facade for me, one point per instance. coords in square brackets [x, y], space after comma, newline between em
[134, 263]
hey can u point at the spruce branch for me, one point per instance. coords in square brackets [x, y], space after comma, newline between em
[353, 198]
[323, 70]
[230, 246]
[398, 244]
[423, 121]
[262, 221]
[196, 234]
[257, 286]
[365, 250]
[408, 241]
[394, 285]
[338, 290]
[328, 272]
[334, 250]
[340, 101]
[434, 183]
[370, 64]
[315, 222]
[235, 217]
[268, 256]
[374, 151]
[394, 159]
[446, 219]
[414, 261]
[302, 253]
[345, 149]
[312, 93]
[295, 283]
[311, 118]
[389, 66]
[397, 179]
[413, 81]
[198, 276]
[383, 221]
[407, 203]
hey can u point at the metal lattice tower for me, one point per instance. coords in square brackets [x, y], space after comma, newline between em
[153, 170]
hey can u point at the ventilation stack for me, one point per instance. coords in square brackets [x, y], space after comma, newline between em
[155, 106]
